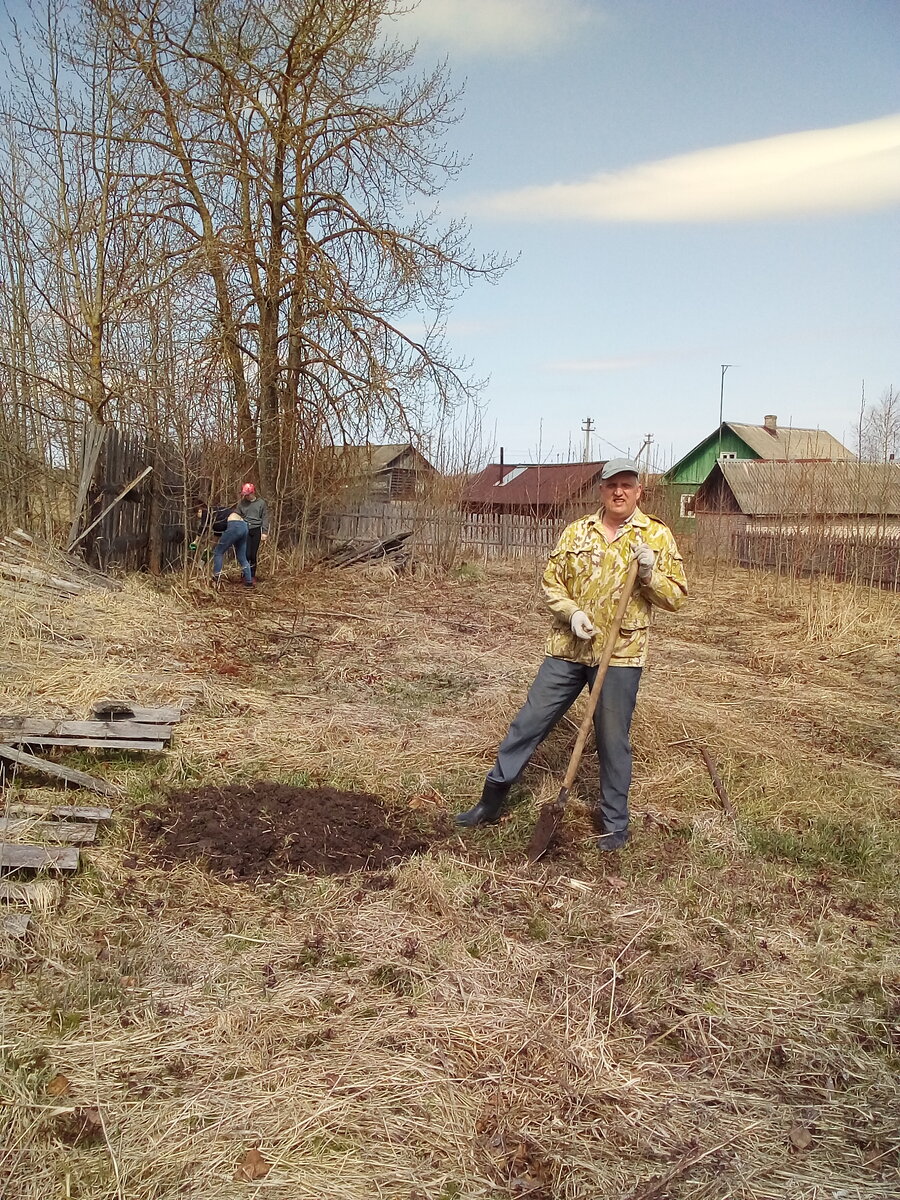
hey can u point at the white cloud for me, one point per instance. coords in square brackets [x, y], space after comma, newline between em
[852, 168]
[507, 27]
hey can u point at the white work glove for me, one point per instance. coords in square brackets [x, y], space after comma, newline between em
[645, 560]
[582, 626]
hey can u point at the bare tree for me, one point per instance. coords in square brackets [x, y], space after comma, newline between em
[296, 141]
[879, 429]
[222, 224]
[81, 221]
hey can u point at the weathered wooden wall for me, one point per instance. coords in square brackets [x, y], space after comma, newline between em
[146, 529]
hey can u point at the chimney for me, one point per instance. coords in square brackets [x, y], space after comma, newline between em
[770, 424]
[501, 456]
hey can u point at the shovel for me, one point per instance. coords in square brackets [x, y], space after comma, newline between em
[551, 814]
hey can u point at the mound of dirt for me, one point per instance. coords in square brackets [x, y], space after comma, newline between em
[261, 830]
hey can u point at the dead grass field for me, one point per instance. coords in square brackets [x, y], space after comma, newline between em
[714, 1013]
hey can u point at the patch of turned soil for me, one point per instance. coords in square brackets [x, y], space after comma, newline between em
[261, 830]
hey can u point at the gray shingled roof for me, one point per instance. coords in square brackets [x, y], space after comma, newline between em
[799, 488]
[372, 460]
[790, 442]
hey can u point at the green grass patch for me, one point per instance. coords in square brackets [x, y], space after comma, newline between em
[832, 842]
[429, 690]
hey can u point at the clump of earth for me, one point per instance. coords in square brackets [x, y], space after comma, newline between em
[261, 830]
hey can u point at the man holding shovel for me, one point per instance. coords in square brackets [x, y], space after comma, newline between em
[582, 585]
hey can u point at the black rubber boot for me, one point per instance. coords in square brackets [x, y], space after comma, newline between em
[487, 810]
[614, 841]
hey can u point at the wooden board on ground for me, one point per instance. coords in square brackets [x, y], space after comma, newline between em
[70, 833]
[15, 925]
[17, 893]
[62, 812]
[38, 858]
[91, 743]
[68, 774]
[115, 734]
[132, 712]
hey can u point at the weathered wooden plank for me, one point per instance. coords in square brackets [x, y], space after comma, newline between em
[15, 925]
[37, 729]
[38, 858]
[32, 575]
[72, 833]
[69, 774]
[17, 893]
[167, 715]
[64, 812]
[86, 743]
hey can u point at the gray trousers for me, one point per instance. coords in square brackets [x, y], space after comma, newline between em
[555, 689]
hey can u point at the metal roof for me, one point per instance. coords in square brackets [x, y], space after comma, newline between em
[790, 442]
[765, 488]
[529, 485]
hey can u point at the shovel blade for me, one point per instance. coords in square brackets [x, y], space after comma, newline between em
[547, 826]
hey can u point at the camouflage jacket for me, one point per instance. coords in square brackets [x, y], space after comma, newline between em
[587, 572]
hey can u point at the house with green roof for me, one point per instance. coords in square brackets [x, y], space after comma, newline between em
[734, 440]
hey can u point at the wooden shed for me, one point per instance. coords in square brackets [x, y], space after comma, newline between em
[380, 473]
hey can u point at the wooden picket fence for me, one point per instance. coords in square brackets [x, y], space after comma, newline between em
[859, 557]
[445, 534]
[442, 533]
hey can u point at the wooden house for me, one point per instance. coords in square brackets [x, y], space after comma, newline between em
[381, 473]
[734, 441]
[534, 489]
[815, 501]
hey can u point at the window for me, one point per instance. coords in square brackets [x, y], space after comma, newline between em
[510, 476]
[687, 504]
[727, 454]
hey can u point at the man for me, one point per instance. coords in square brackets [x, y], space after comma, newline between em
[255, 512]
[582, 585]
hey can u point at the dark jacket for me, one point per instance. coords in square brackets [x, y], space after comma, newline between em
[213, 519]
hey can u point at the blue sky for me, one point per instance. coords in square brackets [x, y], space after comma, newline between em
[687, 183]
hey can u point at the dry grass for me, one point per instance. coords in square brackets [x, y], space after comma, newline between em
[674, 1024]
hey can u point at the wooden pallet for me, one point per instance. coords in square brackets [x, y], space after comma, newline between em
[108, 735]
[20, 901]
[37, 858]
[62, 830]
[121, 710]
[69, 833]
[57, 771]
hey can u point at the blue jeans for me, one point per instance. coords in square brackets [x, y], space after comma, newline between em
[235, 535]
[555, 688]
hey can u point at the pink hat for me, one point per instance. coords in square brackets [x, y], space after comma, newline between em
[248, 490]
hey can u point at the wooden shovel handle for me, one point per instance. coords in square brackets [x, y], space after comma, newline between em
[609, 647]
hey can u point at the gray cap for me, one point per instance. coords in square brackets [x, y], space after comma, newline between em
[616, 466]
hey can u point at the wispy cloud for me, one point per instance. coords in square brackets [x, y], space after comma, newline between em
[506, 27]
[851, 168]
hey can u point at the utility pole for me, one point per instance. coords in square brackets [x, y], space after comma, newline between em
[587, 428]
[648, 442]
[725, 367]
